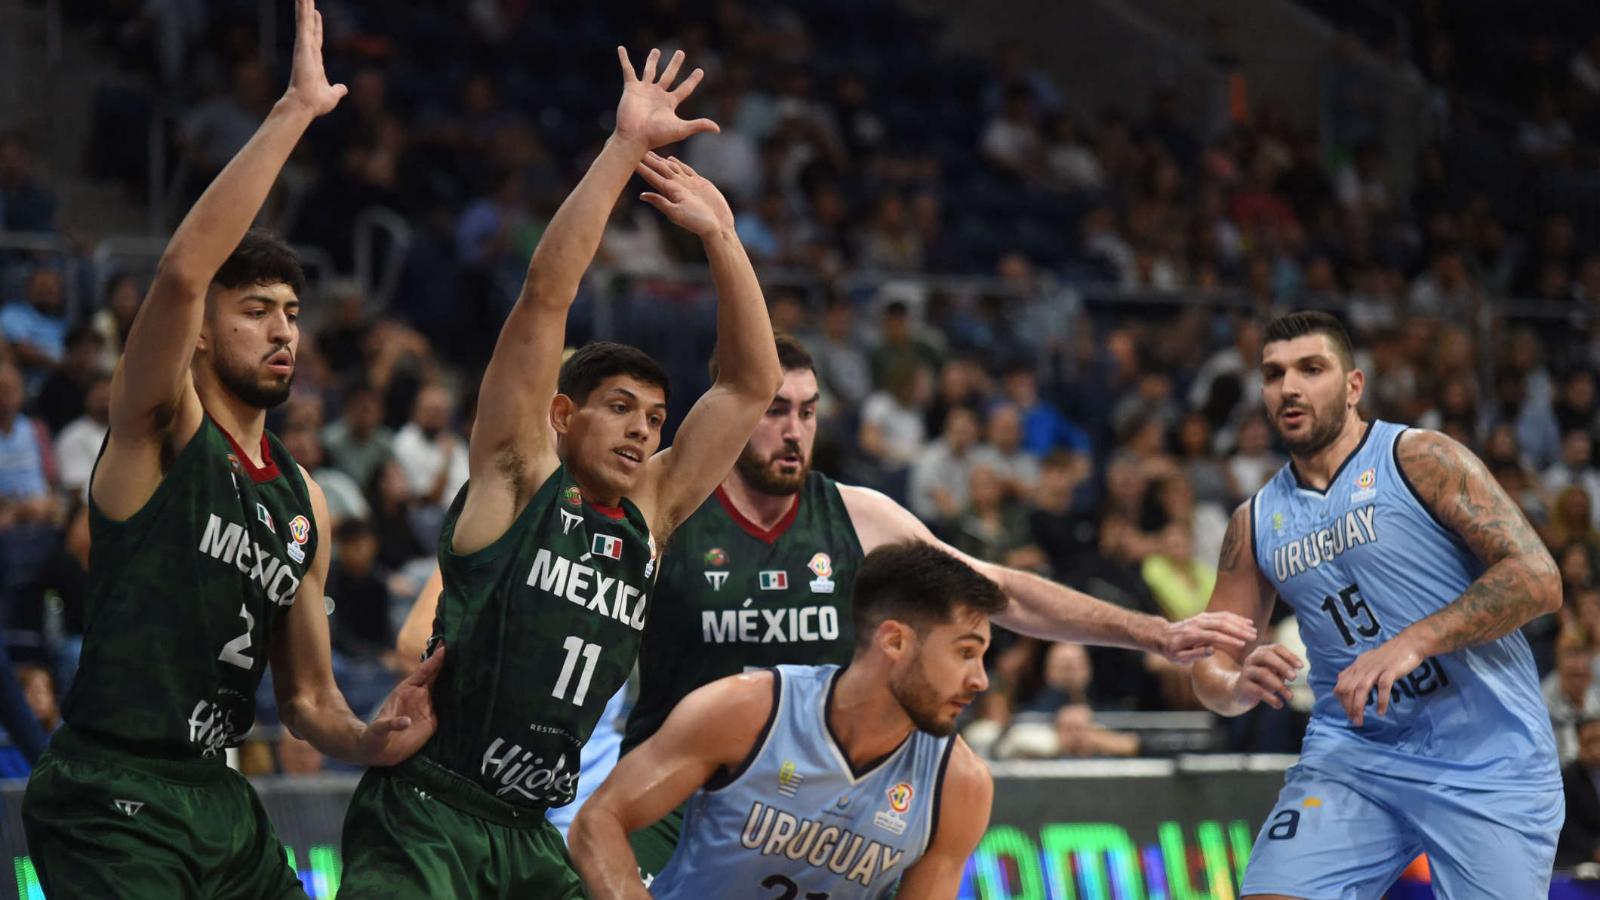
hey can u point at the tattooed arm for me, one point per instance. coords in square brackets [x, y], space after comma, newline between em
[1519, 582]
[1231, 682]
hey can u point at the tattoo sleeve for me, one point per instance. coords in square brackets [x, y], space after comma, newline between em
[1520, 580]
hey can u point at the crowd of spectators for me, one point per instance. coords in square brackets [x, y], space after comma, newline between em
[1102, 444]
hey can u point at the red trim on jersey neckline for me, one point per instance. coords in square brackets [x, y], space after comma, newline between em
[610, 512]
[258, 474]
[764, 535]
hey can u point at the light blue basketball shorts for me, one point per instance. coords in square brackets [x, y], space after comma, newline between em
[1349, 836]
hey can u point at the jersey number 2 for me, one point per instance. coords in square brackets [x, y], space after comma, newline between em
[789, 890]
[233, 651]
[576, 647]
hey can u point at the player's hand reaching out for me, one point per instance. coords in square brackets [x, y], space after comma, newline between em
[308, 81]
[1378, 668]
[690, 201]
[1197, 637]
[406, 720]
[1266, 675]
[648, 112]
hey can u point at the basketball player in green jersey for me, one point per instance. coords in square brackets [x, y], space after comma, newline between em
[208, 562]
[761, 574]
[549, 553]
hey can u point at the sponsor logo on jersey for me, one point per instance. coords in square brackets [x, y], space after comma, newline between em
[1356, 527]
[900, 797]
[129, 808]
[777, 833]
[300, 529]
[789, 780]
[769, 626]
[572, 495]
[716, 556]
[774, 580]
[1365, 482]
[514, 770]
[296, 552]
[230, 543]
[822, 567]
[265, 517]
[650, 567]
[607, 546]
[716, 579]
[211, 727]
[1277, 521]
[569, 520]
[890, 822]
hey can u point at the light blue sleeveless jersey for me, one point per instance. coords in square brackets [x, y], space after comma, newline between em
[798, 822]
[1359, 563]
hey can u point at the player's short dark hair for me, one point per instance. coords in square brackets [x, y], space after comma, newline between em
[596, 361]
[1293, 325]
[262, 258]
[792, 355]
[917, 583]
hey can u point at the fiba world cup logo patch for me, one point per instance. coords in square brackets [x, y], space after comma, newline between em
[822, 567]
[900, 797]
[1365, 486]
[300, 529]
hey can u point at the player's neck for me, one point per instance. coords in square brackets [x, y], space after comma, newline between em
[243, 422]
[864, 716]
[1318, 469]
[758, 507]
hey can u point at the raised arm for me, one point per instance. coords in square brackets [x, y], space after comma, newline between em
[714, 432]
[1042, 608]
[512, 450]
[964, 807]
[1519, 582]
[1233, 681]
[153, 400]
[712, 730]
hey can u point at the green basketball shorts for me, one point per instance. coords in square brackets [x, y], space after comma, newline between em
[104, 823]
[419, 831]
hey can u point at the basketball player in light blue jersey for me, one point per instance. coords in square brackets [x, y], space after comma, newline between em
[1409, 571]
[816, 781]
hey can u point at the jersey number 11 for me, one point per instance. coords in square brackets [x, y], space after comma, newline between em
[575, 648]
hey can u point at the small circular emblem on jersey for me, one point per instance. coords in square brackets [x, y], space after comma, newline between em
[573, 496]
[716, 556]
[233, 463]
[900, 797]
[1367, 478]
[300, 529]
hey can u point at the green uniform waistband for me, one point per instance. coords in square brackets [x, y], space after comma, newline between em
[72, 743]
[461, 793]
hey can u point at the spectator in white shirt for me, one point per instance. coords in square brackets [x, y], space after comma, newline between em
[78, 444]
[433, 457]
[1011, 140]
[940, 472]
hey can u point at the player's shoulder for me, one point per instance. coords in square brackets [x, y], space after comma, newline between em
[966, 777]
[1428, 458]
[747, 696]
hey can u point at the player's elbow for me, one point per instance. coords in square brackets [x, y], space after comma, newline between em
[177, 275]
[754, 384]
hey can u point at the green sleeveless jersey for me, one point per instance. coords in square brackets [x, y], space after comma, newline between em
[542, 627]
[185, 597]
[733, 596]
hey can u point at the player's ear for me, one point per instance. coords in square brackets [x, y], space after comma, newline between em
[561, 410]
[1356, 380]
[894, 639]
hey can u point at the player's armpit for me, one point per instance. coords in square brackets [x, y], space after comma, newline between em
[1520, 580]
[713, 730]
[964, 807]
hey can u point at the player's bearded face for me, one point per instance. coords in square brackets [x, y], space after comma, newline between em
[937, 683]
[777, 458]
[252, 344]
[1326, 421]
[1307, 393]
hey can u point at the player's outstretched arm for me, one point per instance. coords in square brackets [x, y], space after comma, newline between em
[310, 703]
[964, 808]
[512, 450]
[1520, 580]
[153, 400]
[748, 374]
[1232, 681]
[714, 728]
[1042, 608]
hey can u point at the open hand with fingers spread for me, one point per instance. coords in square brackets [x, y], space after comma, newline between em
[406, 719]
[690, 201]
[308, 81]
[648, 111]
[1197, 637]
